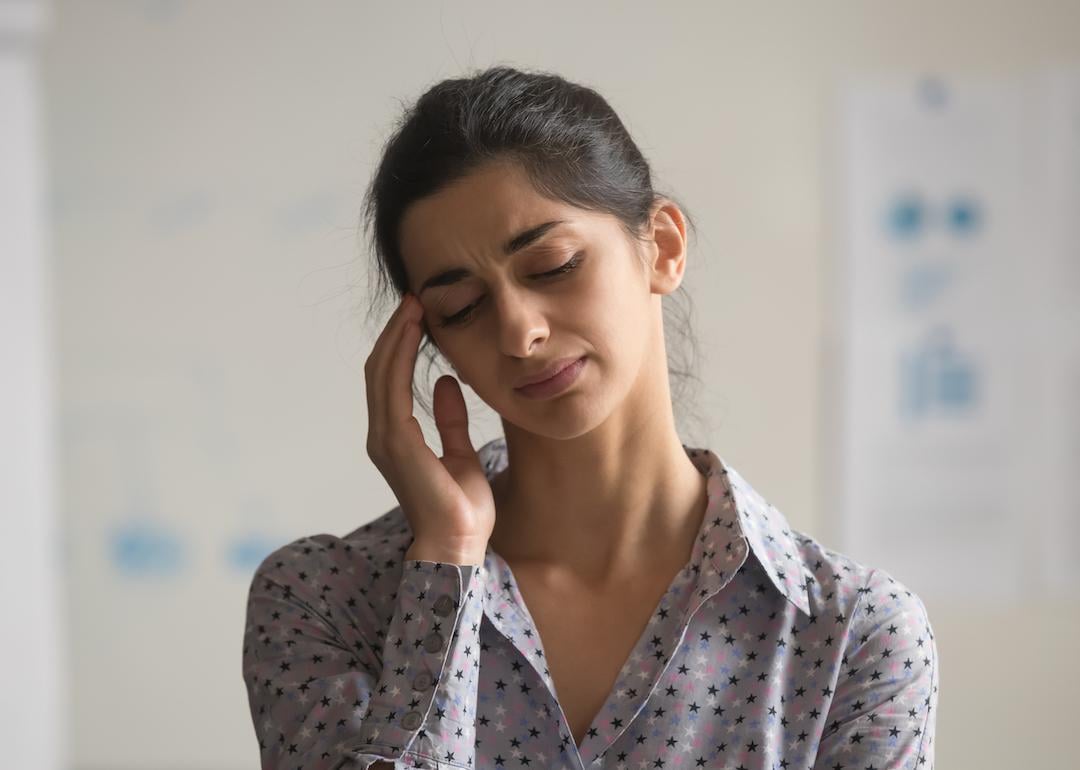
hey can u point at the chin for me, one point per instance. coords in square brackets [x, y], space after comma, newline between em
[559, 419]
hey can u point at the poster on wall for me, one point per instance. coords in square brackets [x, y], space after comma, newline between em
[957, 385]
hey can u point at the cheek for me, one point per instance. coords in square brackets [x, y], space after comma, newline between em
[619, 323]
[612, 306]
[464, 361]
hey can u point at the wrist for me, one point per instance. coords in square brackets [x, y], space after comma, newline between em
[442, 552]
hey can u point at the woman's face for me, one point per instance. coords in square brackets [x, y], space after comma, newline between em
[498, 318]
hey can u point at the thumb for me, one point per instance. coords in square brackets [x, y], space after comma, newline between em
[452, 418]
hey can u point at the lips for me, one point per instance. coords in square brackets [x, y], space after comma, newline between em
[547, 372]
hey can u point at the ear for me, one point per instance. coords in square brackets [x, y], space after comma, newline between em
[667, 247]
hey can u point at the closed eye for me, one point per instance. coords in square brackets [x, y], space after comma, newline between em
[464, 314]
[566, 267]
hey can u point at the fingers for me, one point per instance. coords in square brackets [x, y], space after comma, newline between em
[452, 417]
[373, 367]
[399, 399]
[377, 368]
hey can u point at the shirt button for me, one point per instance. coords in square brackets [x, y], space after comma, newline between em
[411, 720]
[444, 605]
[423, 681]
[433, 642]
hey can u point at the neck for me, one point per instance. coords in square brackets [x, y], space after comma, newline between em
[603, 506]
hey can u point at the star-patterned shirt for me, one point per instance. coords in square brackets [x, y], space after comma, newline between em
[768, 650]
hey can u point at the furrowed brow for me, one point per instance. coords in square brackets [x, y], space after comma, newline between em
[517, 243]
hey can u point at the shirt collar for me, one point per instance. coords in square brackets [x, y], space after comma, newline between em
[735, 512]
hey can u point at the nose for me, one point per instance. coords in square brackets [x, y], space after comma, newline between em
[522, 324]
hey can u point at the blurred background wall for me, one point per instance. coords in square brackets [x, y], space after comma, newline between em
[196, 283]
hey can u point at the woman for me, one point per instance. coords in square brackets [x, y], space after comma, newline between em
[586, 591]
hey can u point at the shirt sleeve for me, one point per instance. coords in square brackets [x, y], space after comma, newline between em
[883, 711]
[333, 683]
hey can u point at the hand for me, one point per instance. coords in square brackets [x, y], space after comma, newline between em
[447, 500]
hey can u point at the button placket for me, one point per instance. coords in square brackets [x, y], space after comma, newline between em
[433, 642]
[444, 606]
[427, 625]
[423, 681]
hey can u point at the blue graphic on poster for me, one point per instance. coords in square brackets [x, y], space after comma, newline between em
[936, 378]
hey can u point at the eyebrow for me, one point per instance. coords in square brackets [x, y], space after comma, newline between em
[517, 243]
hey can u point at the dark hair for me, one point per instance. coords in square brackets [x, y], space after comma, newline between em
[568, 140]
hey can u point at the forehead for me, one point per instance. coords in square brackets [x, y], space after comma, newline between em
[475, 215]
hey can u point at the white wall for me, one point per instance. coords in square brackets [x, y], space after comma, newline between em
[208, 162]
[33, 706]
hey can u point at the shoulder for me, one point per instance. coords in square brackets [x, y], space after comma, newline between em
[885, 692]
[882, 625]
[837, 587]
[855, 593]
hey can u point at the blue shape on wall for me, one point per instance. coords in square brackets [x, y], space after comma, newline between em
[921, 284]
[246, 552]
[963, 216]
[145, 548]
[906, 216]
[909, 216]
[315, 212]
[933, 93]
[181, 212]
[936, 377]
